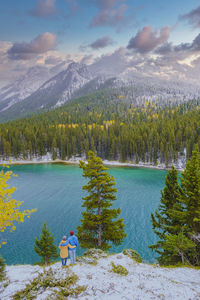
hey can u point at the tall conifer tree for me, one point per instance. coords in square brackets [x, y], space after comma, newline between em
[190, 198]
[177, 220]
[164, 221]
[100, 223]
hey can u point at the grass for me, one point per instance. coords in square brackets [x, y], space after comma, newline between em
[180, 266]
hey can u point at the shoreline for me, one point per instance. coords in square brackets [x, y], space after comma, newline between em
[76, 162]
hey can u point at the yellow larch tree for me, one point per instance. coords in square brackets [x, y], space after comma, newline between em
[9, 208]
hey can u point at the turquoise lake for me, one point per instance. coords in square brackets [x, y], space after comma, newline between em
[56, 191]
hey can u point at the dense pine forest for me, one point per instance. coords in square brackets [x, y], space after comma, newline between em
[116, 129]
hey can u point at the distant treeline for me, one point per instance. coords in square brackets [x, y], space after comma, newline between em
[110, 126]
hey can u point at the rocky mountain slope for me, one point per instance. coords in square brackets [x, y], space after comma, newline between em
[26, 85]
[42, 88]
[95, 277]
[52, 93]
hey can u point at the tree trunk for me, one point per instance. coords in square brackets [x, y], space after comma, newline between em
[46, 261]
[100, 225]
[183, 258]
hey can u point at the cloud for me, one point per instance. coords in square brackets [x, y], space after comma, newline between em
[111, 63]
[164, 49]
[87, 59]
[52, 60]
[110, 13]
[44, 9]
[102, 43]
[146, 40]
[10, 69]
[193, 17]
[4, 47]
[196, 43]
[25, 51]
[180, 51]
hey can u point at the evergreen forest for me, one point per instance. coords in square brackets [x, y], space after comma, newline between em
[109, 125]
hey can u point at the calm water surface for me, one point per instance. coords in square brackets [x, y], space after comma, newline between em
[56, 191]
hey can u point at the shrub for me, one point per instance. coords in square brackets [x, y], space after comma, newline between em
[119, 269]
[95, 253]
[133, 254]
[2, 269]
[60, 287]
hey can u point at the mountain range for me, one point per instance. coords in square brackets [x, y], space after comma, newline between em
[43, 88]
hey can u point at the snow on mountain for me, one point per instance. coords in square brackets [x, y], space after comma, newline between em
[60, 88]
[27, 84]
[47, 88]
[75, 77]
[142, 282]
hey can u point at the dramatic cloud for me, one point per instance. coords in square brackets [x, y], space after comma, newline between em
[25, 51]
[44, 9]
[193, 17]
[146, 40]
[102, 43]
[196, 43]
[110, 13]
[10, 69]
[180, 51]
[166, 48]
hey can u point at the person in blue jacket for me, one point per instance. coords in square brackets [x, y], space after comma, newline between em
[73, 241]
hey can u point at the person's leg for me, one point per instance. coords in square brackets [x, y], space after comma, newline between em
[65, 261]
[74, 256]
[62, 259]
[71, 257]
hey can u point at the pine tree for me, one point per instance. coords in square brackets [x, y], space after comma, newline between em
[178, 245]
[177, 221]
[100, 223]
[190, 198]
[45, 247]
[164, 221]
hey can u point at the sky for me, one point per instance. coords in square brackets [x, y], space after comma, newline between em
[161, 37]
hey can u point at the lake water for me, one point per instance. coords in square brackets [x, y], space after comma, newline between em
[56, 191]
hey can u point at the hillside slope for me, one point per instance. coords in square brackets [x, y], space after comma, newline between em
[142, 282]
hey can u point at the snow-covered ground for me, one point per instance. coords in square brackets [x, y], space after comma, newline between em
[143, 281]
[180, 165]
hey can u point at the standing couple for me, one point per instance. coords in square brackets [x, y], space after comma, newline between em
[71, 243]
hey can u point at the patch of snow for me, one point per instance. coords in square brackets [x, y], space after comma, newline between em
[179, 165]
[143, 281]
[19, 276]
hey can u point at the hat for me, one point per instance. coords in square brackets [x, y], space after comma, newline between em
[64, 238]
[71, 232]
